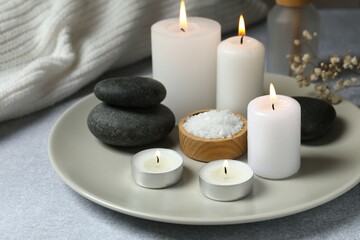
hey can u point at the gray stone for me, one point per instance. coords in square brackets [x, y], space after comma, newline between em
[130, 127]
[130, 91]
[317, 117]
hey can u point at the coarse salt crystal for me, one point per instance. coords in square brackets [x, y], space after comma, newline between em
[214, 124]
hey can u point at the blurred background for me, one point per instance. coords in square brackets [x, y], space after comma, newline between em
[327, 3]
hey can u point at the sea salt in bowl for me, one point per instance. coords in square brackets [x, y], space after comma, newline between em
[208, 149]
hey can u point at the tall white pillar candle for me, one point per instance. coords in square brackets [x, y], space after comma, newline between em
[240, 71]
[274, 127]
[184, 60]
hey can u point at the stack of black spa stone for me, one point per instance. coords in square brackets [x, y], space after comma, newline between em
[130, 114]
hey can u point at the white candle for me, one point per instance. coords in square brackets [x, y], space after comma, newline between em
[240, 71]
[226, 180]
[156, 168]
[274, 127]
[184, 60]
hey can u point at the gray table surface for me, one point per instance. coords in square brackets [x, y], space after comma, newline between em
[36, 204]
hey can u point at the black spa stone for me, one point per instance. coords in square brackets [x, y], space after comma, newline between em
[130, 127]
[130, 91]
[317, 117]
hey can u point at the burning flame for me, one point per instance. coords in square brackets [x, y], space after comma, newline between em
[183, 19]
[273, 96]
[241, 31]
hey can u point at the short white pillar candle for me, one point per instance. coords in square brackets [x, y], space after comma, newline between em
[226, 180]
[274, 128]
[156, 168]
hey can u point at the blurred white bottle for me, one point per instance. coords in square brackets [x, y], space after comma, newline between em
[286, 21]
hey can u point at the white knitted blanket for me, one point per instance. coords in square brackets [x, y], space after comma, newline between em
[49, 49]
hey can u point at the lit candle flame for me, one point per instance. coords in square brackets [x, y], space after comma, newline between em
[226, 166]
[157, 156]
[183, 19]
[241, 31]
[273, 96]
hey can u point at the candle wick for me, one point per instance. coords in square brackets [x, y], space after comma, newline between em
[273, 107]
[157, 159]
[225, 170]
[182, 29]
[242, 39]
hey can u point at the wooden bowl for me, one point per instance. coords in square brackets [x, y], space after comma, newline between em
[207, 150]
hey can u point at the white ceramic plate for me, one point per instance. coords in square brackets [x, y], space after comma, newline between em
[101, 173]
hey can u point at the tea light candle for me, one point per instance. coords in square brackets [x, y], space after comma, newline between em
[240, 71]
[184, 60]
[226, 180]
[156, 168]
[274, 128]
